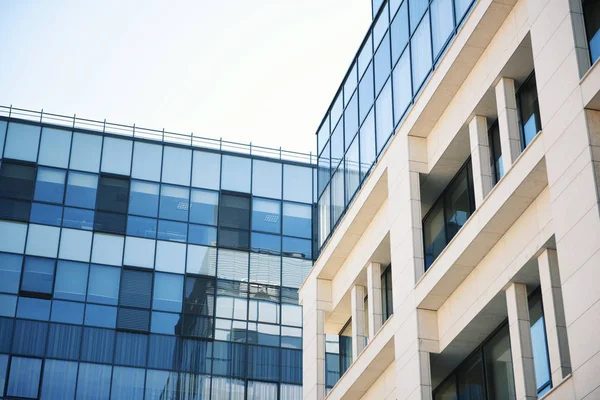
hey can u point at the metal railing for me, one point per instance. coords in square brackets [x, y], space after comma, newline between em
[163, 136]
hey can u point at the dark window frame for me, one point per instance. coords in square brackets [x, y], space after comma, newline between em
[536, 106]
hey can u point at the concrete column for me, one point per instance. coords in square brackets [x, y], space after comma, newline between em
[359, 336]
[480, 157]
[554, 316]
[508, 122]
[520, 341]
[375, 298]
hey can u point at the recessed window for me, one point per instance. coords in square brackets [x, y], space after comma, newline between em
[16, 188]
[136, 288]
[495, 152]
[529, 110]
[81, 189]
[234, 211]
[50, 185]
[174, 202]
[38, 275]
[591, 14]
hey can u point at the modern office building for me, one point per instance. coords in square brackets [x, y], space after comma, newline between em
[140, 264]
[458, 207]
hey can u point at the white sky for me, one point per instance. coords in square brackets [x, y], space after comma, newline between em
[260, 71]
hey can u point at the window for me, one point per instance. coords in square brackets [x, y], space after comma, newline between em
[64, 341]
[498, 366]
[116, 156]
[497, 167]
[591, 14]
[143, 199]
[201, 260]
[136, 288]
[59, 380]
[366, 94]
[236, 174]
[350, 121]
[147, 160]
[22, 142]
[85, 152]
[346, 347]
[442, 24]
[296, 180]
[73, 217]
[16, 188]
[382, 63]
[387, 293]
[50, 185]
[131, 349]
[384, 116]
[172, 231]
[541, 359]
[38, 276]
[10, 272]
[108, 249]
[101, 316]
[294, 247]
[81, 190]
[168, 291]
[529, 110]
[207, 235]
[206, 170]
[67, 311]
[24, 377]
[174, 202]
[127, 383]
[352, 170]
[402, 86]
[448, 214]
[55, 148]
[71, 280]
[420, 45]
[31, 308]
[399, 32]
[297, 220]
[234, 212]
[177, 165]
[47, 214]
[204, 207]
[367, 144]
[265, 269]
[112, 199]
[93, 381]
[266, 215]
[198, 307]
[232, 300]
[266, 179]
[142, 227]
[264, 304]
[265, 243]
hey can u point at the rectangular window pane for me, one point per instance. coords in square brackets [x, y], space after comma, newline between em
[172, 231]
[81, 190]
[297, 220]
[143, 199]
[142, 227]
[85, 152]
[540, 344]
[104, 284]
[399, 32]
[470, 378]
[101, 316]
[71, 280]
[24, 377]
[420, 46]
[337, 195]
[17, 181]
[168, 291]
[64, 341]
[366, 93]
[55, 148]
[133, 319]
[382, 63]
[38, 275]
[177, 165]
[232, 300]
[201, 260]
[265, 269]
[30, 308]
[174, 202]
[22, 142]
[266, 215]
[265, 243]
[457, 204]
[127, 383]
[266, 179]
[206, 170]
[263, 363]
[229, 359]
[50, 185]
[199, 296]
[352, 173]
[78, 218]
[164, 352]
[294, 247]
[67, 311]
[201, 234]
[97, 345]
[434, 234]
[402, 86]
[93, 381]
[232, 265]
[204, 207]
[296, 183]
[384, 116]
[131, 349]
[30, 338]
[116, 156]
[46, 214]
[10, 272]
[135, 288]
[113, 194]
[367, 144]
[529, 110]
[234, 212]
[236, 174]
[146, 161]
[498, 366]
[442, 23]
[234, 238]
[351, 120]
[59, 380]
[165, 323]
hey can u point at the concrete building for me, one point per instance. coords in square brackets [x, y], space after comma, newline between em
[459, 213]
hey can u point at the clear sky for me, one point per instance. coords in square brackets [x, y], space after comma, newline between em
[260, 71]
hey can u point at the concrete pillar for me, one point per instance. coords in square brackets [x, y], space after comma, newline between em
[316, 299]
[375, 312]
[480, 157]
[359, 335]
[554, 316]
[508, 122]
[520, 341]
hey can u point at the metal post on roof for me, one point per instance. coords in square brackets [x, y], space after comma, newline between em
[10, 111]
[163, 135]
[280, 153]
[134, 129]
[104, 126]
[74, 119]
[250, 148]
[221, 143]
[41, 115]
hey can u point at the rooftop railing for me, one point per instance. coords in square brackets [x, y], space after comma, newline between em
[188, 139]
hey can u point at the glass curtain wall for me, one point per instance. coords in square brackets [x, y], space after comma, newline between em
[400, 50]
[129, 268]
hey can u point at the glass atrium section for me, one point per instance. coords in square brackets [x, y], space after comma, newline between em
[397, 56]
[132, 268]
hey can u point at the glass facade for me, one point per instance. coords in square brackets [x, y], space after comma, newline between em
[402, 47]
[133, 269]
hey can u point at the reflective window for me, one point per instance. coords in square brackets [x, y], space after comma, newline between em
[291, 337]
[204, 235]
[85, 152]
[103, 285]
[367, 144]
[133, 319]
[50, 185]
[38, 275]
[206, 170]
[116, 156]
[323, 134]
[379, 29]
[232, 265]
[291, 314]
[442, 24]
[266, 179]
[265, 243]
[46, 214]
[22, 142]
[294, 247]
[75, 245]
[143, 199]
[294, 271]
[127, 383]
[591, 13]
[168, 291]
[460, 8]
[291, 366]
[10, 272]
[350, 121]
[177, 165]
[351, 170]
[266, 215]
[42, 240]
[324, 169]
[201, 260]
[324, 206]
[135, 288]
[8, 305]
[366, 52]
[336, 109]
[78, 218]
[131, 349]
[265, 269]
[204, 207]
[337, 145]
[529, 110]
[399, 32]
[382, 63]
[71, 280]
[230, 358]
[233, 389]
[236, 174]
[165, 322]
[174, 202]
[59, 380]
[366, 93]
[67, 311]
[29, 338]
[12, 237]
[55, 148]
[142, 227]
[232, 300]
[139, 252]
[147, 160]
[30, 308]
[231, 331]
[81, 189]
[170, 257]
[17, 180]
[234, 212]
[337, 194]
[113, 194]
[93, 381]
[384, 116]
[263, 363]
[434, 234]
[297, 220]
[497, 167]
[387, 296]
[471, 382]
[102, 316]
[24, 377]
[498, 366]
[173, 231]
[402, 86]
[417, 9]
[64, 341]
[540, 345]
[296, 180]
[420, 46]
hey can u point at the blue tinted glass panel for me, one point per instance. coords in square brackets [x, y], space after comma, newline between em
[10, 272]
[229, 359]
[365, 56]
[200, 234]
[540, 344]
[93, 381]
[367, 144]
[165, 323]
[64, 341]
[442, 24]
[24, 378]
[297, 220]
[204, 207]
[59, 380]
[266, 179]
[417, 9]
[421, 53]
[46, 214]
[8, 304]
[81, 189]
[103, 286]
[461, 7]
[3, 357]
[324, 169]
[264, 243]
[266, 215]
[174, 202]
[142, 227]
[384, 116]
[297, 247]
[337, 144]
[206, 171]
[30, 338]
[351, 119]
[22, 142]
[399, 32]
[164, 352]
[50, 185]
[382, 63]
[161, 385]
[291, 337]
[366, 93]
[196, 355]
[55, 147]
[168, 292]
[127, 383]
[103, 316]
[336, 109]
[296, 183]
[291, 366]
[67, 311]
[71, 280]
[6, 330]
[402, 86]
[143, 198]
[131, 349]
[78, 218]
[381, 25]
[236, 174]
[172, 231]
[352, 172]
[263, 363]
[38, 275]
[97, 345]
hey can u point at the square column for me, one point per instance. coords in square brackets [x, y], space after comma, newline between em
[554, 316]
[480, 155]
[375, 298]
[508, 122]
[359, 336]
[520, 341]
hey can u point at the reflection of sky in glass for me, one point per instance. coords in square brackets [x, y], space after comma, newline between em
[540, 356]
